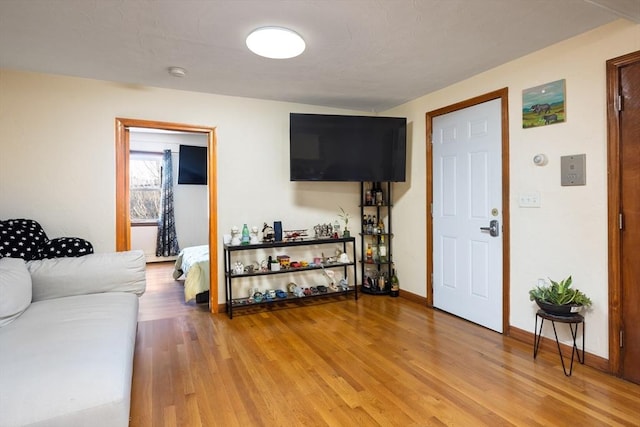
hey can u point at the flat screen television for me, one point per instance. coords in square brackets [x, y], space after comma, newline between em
[192, 165]
[325, 147]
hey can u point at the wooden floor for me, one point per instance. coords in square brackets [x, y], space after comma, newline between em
[378, 361]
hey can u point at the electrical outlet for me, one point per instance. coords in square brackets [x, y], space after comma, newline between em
[529, 200]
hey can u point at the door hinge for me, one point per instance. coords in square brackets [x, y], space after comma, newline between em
[619, 105]
[431, 208]
[431, 279]
[621, 338]
[620, 221]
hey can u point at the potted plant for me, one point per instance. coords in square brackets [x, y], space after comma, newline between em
[559, 298]
[345, 218]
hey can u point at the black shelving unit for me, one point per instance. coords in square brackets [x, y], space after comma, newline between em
[371, 270]
[236, 303]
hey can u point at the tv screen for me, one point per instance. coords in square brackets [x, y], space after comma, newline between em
[192, 165]
[326, 147]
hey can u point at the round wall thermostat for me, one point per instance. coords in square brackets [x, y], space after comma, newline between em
[540, 159]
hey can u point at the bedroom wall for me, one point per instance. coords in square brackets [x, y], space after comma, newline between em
[567, 235]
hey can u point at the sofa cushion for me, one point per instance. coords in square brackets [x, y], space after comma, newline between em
[15, 289]
[21, 238]
[71, 362]
[66, 247]
[103, 272]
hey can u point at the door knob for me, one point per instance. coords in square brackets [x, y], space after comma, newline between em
[492, 228]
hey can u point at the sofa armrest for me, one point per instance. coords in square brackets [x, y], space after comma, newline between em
[90, 274]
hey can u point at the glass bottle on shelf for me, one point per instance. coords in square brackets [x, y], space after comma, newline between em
[381, 227]
[368, 197]
[379, 195]
[382, 282]
[364, 223]
[374, 225]
[245, 235]
[369, 225]
[369, 253]
[382, 250]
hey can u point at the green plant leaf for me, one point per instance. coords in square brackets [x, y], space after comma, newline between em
[559, 293]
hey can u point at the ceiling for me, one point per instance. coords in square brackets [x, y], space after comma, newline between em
[366, 55]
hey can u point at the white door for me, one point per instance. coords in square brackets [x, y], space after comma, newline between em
[467, 213]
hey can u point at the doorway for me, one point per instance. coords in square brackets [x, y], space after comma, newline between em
[623, 133]
[123, 220]
[466, 220]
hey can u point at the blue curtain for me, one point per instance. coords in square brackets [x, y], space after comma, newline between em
[167, 243]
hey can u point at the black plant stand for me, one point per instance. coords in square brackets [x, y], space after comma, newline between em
[574, 321]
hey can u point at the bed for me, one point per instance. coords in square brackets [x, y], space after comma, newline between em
[193, 263]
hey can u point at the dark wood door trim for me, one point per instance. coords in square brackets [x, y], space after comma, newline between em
[123, 221]
[614, 206]
[502, 94]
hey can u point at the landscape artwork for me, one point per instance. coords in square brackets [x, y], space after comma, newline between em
[544, 105]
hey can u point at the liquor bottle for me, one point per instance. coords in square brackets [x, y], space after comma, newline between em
[381, 227]
[364, 223]
[368, 196]
[369, 225]
[382, 282]
[395, 284]
[374, 225]
[382, 250]
[369, 253]
[379, 195]
[245, 235]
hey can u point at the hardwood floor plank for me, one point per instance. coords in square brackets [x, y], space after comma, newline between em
[375, 361]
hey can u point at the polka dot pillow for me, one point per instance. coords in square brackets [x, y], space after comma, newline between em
[21, 238]
[66, 247]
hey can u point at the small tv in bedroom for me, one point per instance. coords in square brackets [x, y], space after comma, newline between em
[325, 147]
[192, 165]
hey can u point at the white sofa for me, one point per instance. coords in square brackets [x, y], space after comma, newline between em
[67, 338]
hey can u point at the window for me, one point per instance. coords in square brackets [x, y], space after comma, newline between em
[145, 180]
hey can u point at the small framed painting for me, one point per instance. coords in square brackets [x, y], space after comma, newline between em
[544, 105]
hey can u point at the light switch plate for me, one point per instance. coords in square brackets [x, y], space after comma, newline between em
[530, 199]
[573, 170]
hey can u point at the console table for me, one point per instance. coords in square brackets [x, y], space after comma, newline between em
[574, 321]
[233, 302]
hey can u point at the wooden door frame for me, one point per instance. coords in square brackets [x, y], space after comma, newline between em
[503, 95]
[614, 209]
[123, 220]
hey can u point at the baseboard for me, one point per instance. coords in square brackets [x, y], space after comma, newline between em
[549, 344]
[413, 298]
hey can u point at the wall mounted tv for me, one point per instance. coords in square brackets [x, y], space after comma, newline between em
[192, 165]
[326, 147]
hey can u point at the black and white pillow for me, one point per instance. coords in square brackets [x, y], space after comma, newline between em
[21, 238]
[66, 247]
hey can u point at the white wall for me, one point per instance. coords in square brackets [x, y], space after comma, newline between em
[567, 235]
[57, 164]
[190, 201]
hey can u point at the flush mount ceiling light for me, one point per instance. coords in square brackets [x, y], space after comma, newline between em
[275, 42]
